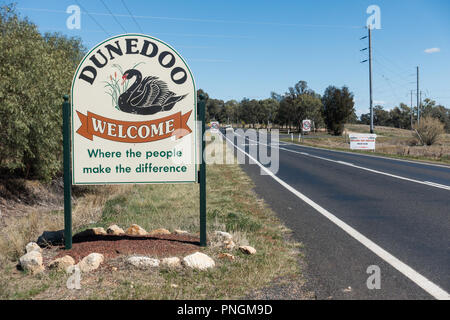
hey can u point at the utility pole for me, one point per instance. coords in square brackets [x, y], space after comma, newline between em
[370, 74]
[420, 99]
[417, 93]
[370, 79]
[412, 110]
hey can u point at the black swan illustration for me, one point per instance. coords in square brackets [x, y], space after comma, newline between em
[146, 96]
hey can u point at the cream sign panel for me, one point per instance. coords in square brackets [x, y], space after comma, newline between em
[133, 114]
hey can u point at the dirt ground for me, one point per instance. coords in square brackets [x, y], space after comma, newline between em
[114, 246]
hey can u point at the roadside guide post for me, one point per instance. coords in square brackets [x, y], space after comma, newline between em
[202, 175]
[67, 175]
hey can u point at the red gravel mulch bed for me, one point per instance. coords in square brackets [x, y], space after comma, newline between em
[113, 246]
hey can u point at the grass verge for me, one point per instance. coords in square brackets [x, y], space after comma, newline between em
[445, 160]
[232, 206]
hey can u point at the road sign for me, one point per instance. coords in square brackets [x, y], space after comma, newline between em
[215, 126]
[133, 114]
[306, 125]
[362, 141]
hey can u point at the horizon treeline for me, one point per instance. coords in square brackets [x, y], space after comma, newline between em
[301, 102]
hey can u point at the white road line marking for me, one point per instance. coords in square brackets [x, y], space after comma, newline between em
[438, 185]
[435, 185]
[406, 270]
[370, 155]
[346, 163]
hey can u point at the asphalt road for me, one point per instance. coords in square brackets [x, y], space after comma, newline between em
[401, 207]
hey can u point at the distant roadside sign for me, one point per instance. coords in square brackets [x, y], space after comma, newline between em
[215, 126]
[361, 141]
[306, 125]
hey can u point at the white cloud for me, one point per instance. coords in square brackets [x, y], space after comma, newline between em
[432, 50]
[379, 102]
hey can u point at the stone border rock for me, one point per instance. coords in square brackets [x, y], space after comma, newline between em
[199, 261]
[115, 230]
[61, 264]
[143, 262]
[91, 262]
[32, 261]
[136, 230]
[247, 249]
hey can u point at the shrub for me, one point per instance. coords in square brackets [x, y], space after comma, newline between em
[35, 72]
[429, 129]
[337, 108]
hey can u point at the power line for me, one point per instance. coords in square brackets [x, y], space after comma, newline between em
[390, 61]
[391, 86]
[388, 85]
[188, 35]
[396, 74]
[98, 24]
[397, 81]
[118, 22]
[205, 20]
[135, 21]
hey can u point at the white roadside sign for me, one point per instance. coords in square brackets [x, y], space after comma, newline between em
[361, 141]
[215, 126]
[134, 114]
[306, 125]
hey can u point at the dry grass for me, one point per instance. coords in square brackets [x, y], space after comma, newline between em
[19, 230]
[393, 142]
[232, 206]
[429, 131]
[379, 130]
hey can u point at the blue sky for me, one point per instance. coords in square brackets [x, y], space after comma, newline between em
[240, 49]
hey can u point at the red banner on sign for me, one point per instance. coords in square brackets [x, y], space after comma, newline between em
[133, 131]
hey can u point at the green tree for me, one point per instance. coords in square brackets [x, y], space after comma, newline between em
[380, 116]
[35, 72]
[299, 103]
[268, 110]
[248, 111]
[400, 117]
[365, 118]
[353, 118]
[429, 108]
[338, 106]
[231, 111]
[310, 107]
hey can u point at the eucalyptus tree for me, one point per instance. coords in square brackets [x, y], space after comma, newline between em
[338, 106]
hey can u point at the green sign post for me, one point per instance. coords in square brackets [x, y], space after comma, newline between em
[202, 175]
[133, 118]
[68, 174]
